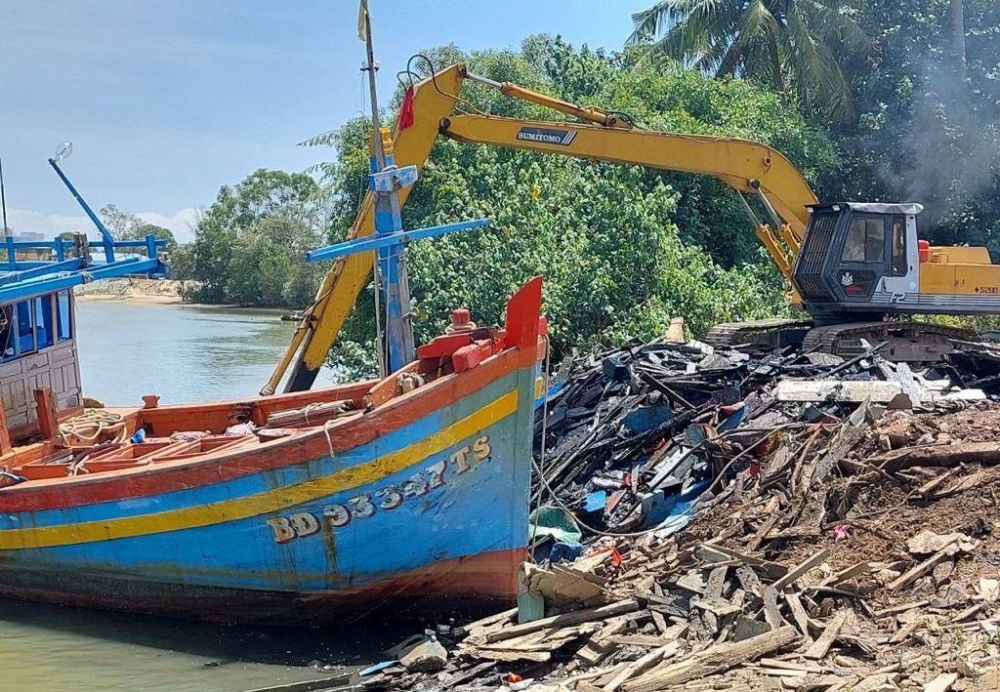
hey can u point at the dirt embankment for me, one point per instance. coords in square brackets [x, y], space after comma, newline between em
[136, 289]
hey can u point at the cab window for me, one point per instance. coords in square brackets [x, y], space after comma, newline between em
[899, 263]
[865, 240]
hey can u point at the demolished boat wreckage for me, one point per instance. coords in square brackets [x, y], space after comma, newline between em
[735, 520]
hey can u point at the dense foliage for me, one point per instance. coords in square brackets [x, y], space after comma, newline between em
[794, 45]
[880, 100]
[249, 244]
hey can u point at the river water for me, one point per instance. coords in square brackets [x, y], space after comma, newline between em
[181, 352]
[184, 353]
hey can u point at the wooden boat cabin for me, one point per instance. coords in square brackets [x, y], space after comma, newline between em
[39, 365]
[39, 352]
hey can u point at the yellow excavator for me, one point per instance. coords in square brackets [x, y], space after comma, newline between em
[851, 265]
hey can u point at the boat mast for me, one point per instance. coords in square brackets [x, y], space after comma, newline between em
[397, 347]
[385, 180]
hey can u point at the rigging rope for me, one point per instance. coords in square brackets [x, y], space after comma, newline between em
[89, 426]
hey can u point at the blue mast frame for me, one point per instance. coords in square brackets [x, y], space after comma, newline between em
[109, 251]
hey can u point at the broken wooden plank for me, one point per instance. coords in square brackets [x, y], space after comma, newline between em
[771, 613]
[542, 640]
[961, 486]
[985, 453]
[813, 683]
[749, 581]
[717, 606]
[480, 627]
[764, 531]
[659, 621]
[637, 640]
[902, 608]
[908, 629]
[714, 659]
[642, 665]
[565, 620]
[309, 685]
[601, 644]
[508, 656]
[932, 484]
[791, 665]
[813, 561]
[878, 681]
[772, 569]
[798, 612]
[819, 648]
[466, 675]
[842, 391]
[846, 574]
[969, 612]
[921, 569]
[783, 672]
[941, 683]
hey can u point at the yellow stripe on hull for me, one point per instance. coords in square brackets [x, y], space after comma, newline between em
[262, 503]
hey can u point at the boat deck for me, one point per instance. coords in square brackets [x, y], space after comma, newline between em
[181, 434]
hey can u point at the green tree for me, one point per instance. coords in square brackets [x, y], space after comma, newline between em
[159, 232]
[793, 45]
[250, 244]
[264, 221]
[122, 224]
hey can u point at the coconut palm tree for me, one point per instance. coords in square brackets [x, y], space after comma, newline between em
[795, 45]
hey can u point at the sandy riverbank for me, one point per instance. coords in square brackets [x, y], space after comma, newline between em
[137, 290]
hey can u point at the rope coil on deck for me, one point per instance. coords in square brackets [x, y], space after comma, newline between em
[90, 426]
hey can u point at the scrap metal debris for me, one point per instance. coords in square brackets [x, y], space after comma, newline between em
[735, 536]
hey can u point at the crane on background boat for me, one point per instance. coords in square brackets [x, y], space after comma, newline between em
[850, 265]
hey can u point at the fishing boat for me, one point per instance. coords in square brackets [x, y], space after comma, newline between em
[408, 491]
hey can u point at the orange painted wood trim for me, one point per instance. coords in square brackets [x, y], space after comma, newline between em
[45, 407]
[5, 445]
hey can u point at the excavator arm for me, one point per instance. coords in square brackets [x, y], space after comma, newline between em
[747, 167]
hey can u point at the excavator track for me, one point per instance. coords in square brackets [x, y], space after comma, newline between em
[910, 342]
[770, 333]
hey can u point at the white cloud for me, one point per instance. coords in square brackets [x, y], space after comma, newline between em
[49, 224]
[181, 223]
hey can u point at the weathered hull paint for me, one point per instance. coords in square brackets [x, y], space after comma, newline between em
[478, 582]
[421, 501]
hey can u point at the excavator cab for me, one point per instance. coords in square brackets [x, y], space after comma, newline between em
[859, 258]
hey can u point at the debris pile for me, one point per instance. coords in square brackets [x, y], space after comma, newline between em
[838, 537]
[629, 439]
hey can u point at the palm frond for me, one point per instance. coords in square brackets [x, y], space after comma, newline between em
[695, 32]
[757, 25]
[820, 82]
[834, 28]
[647, 23]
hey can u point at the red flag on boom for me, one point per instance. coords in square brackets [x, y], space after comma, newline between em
[406, 111]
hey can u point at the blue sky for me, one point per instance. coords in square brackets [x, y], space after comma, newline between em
[166, 100]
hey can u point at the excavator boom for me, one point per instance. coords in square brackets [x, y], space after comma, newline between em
[747, 167]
